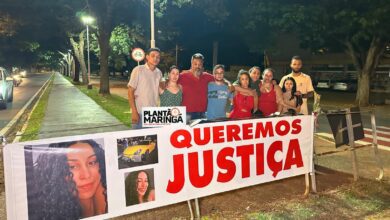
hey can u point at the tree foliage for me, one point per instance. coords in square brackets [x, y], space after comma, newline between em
[358, 27]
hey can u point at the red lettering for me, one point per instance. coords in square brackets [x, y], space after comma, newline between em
[245, 151]
[296, 125]
[218, 134]
[282, 124]
[177, 184]
[181, 134]
[247, 131]
[259, 158]
[233, 133]
[275, 166]
[226, 164]
[193, 166]
[206, 136]
[264, 130]
[294, 155]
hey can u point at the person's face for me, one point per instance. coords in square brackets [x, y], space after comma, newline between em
[218, 74]
[197, 65]
[142, 183]
[268, 76]
[244, 81]
[255, 75]
[296, 65]
[288, 84]
[153, 58]
[84, 166]
[174, 75]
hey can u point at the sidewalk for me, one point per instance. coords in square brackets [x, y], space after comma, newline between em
[70, 112]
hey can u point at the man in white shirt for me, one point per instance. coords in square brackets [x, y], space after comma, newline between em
[304, 84]
[143, 86]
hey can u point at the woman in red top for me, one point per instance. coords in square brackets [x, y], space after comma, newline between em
[242, 103]
[270, 99]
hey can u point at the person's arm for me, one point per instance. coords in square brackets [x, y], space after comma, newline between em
[255, 102]
[133, 107]
[310, 89]
[279, 97]
[248, 92]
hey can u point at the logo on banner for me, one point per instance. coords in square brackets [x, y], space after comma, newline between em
[162, 116]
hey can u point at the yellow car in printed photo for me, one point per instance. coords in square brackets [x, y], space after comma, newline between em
[140, 152]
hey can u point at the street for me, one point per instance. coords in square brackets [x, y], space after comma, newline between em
[22, 95]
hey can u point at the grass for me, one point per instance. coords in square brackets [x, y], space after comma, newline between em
[113, 104]
[37, 115]
[366, 199]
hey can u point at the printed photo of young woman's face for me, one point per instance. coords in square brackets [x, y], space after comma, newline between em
[84, 166]
[142, 183]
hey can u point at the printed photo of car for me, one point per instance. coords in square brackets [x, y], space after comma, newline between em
[137, 151]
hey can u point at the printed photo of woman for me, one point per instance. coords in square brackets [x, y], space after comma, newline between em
[139, 186]
[66, 180]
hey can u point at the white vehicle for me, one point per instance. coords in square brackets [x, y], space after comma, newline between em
[6, 88]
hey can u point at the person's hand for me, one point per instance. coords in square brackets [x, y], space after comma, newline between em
[298, 93]
[254, 93]
[134, 118]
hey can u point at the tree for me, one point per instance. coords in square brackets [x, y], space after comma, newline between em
[78, 48]
[359, 28]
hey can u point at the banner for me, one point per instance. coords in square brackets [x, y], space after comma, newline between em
[104, 175]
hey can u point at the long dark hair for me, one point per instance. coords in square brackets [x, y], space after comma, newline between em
[243, 72]
[131, 187]
[293, 91]
[52, 193]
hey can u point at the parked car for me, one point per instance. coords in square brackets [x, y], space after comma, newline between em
[324, 84]
[6, 88]
[23, 73]
[347, 85]
[140, 152]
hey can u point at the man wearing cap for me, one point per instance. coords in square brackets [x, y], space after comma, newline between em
[143, 86]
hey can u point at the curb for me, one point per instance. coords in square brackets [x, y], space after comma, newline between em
[7, 129]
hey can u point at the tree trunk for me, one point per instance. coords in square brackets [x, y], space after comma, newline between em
[363, 88]
[77, 71]
[78, 49]
[104, 45]
[366, 63]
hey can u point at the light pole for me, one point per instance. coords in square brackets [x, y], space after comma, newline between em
[87, 20]
[152, 41]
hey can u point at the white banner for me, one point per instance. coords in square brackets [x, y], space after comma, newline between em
[105, 175]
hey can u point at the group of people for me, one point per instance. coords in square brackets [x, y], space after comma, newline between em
[207, 95]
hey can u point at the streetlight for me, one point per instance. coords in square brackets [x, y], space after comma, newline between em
[152, 41]
[87, 20]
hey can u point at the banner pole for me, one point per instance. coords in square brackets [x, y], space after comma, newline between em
[190, 208]
[351, 138]
[375, 143]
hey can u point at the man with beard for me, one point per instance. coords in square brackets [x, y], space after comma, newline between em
[194, 83]
[304, 84]
[218, 94]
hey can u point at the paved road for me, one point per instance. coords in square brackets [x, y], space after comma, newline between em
[22, 94]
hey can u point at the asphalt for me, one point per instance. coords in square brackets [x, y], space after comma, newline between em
[70, 112]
